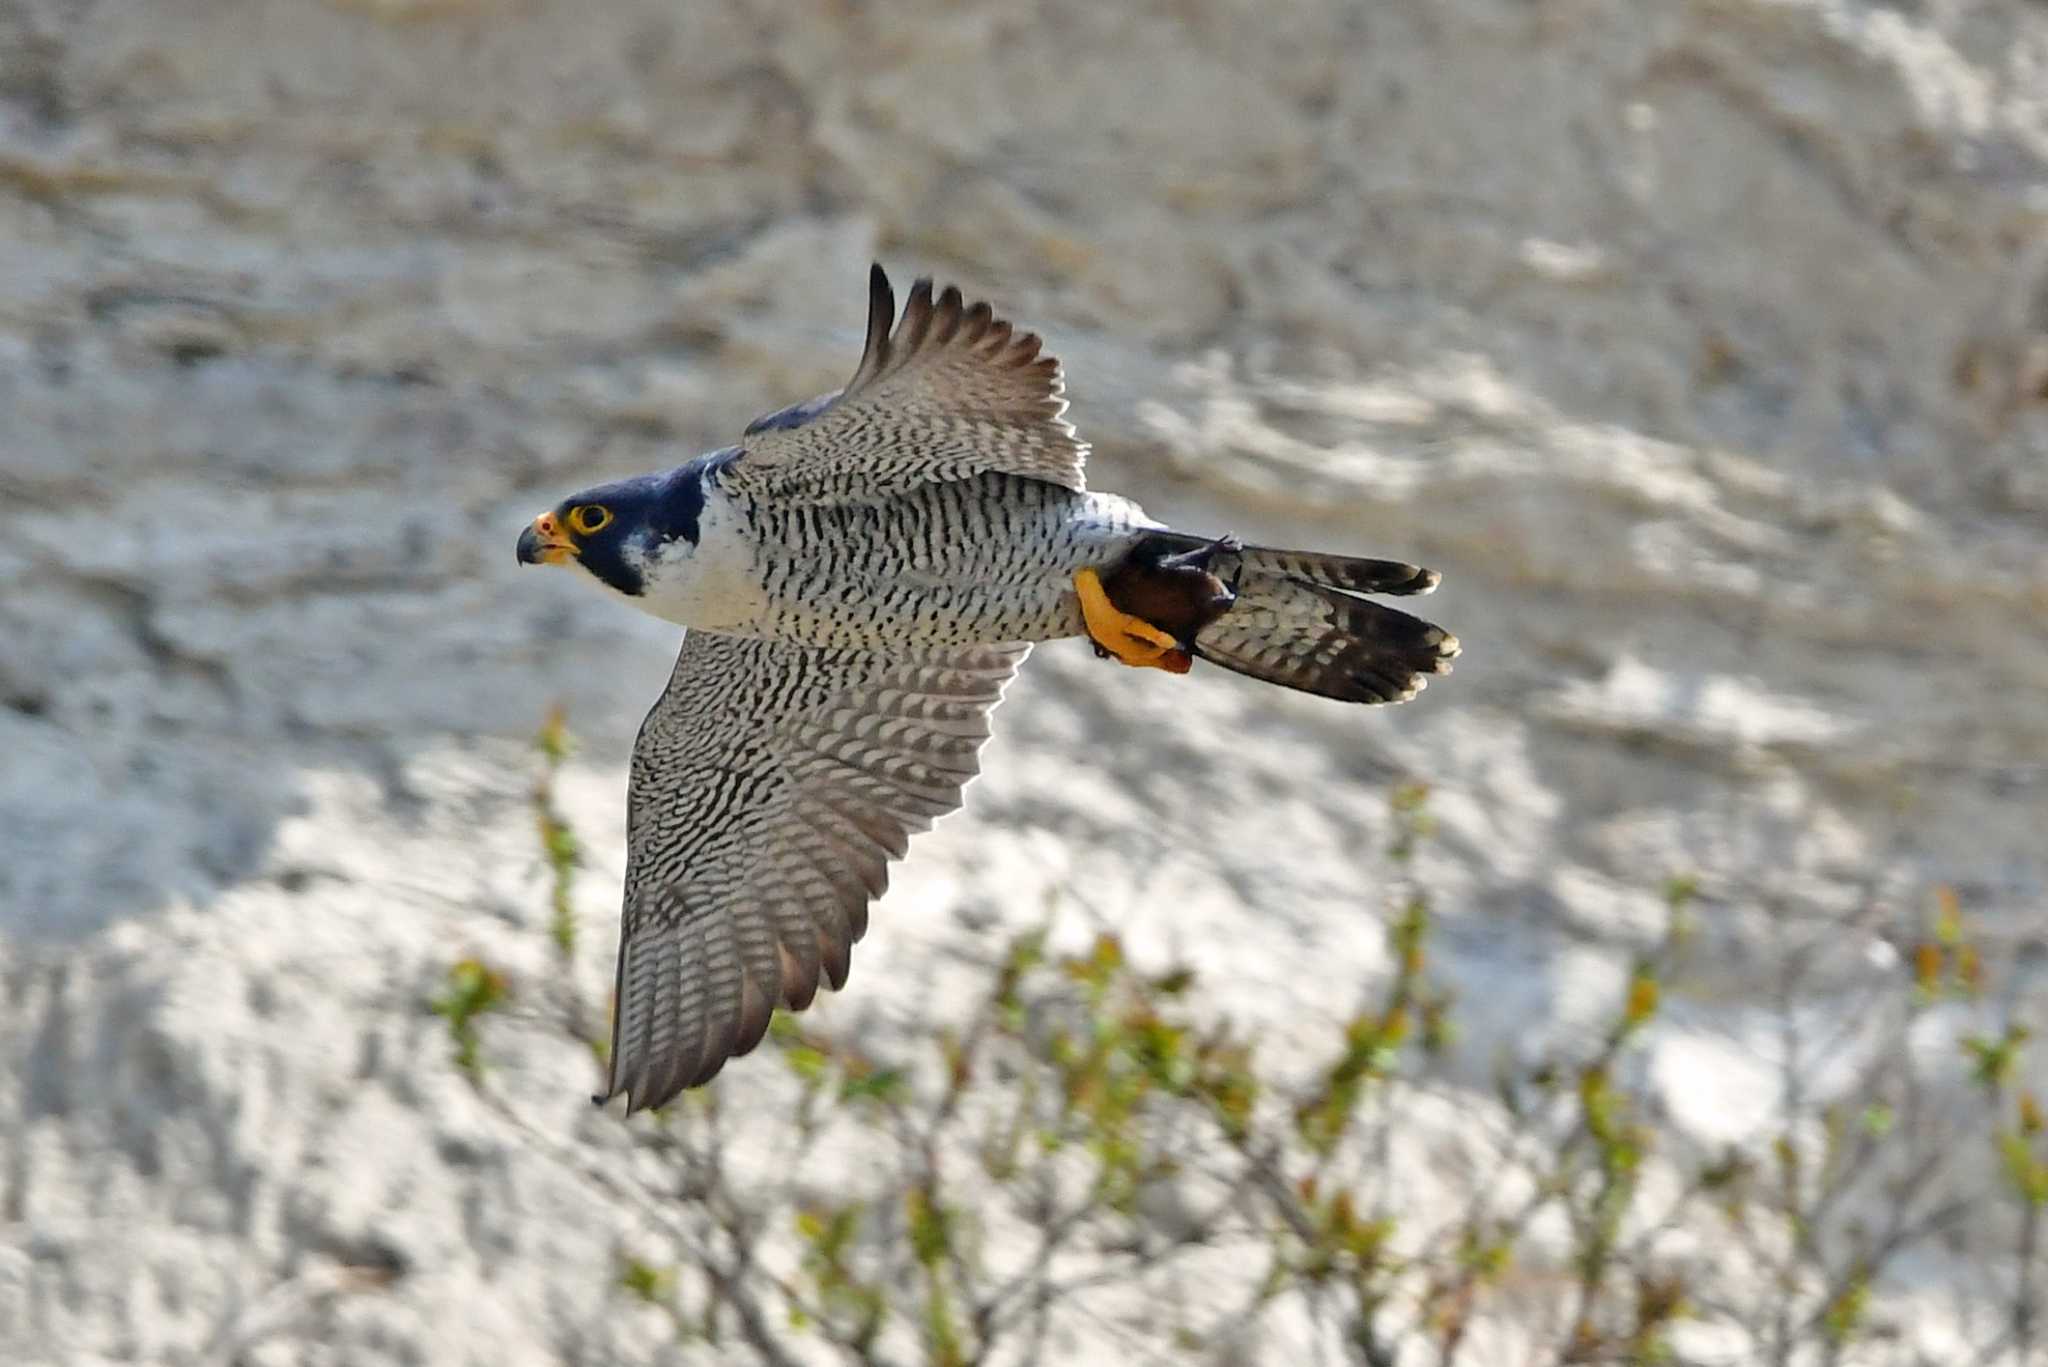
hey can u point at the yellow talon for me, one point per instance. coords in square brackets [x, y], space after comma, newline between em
[1132, 640]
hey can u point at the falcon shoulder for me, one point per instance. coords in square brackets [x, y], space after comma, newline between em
[771, 785]
[947, 392]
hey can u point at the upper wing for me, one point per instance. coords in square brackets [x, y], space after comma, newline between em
[952, 392]
[771, 785]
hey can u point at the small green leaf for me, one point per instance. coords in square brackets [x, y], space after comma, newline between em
[1948, 917]
[931, 1226]
[806, 1062]
[882, 1084]
[645, 1282]
[554, 740]
[1643, 993]
[2028, 1174]
[474, 990]
[1844, 1314]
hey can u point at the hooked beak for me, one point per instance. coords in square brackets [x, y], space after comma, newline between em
[546, 542]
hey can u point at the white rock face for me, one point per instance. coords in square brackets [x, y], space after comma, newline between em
[1703, 346]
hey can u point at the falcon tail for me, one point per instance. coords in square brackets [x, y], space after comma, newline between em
[1298, 621]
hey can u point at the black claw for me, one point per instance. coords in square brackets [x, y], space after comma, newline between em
[1200, 557]
[1229, 544]
[1236, 548]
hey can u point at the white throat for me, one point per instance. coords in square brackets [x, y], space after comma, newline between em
[714, 583]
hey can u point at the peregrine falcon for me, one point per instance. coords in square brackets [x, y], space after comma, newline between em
[860, 577]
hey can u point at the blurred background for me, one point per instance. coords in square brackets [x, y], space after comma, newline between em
[1703, 346]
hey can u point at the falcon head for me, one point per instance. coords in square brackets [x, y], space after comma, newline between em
[619, 533]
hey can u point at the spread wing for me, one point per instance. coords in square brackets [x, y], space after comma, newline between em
[772, 784]
[951, 392]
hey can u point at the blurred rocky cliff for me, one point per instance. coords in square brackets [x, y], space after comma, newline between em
[1702, 345]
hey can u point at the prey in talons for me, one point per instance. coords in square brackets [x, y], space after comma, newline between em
[1148, 609]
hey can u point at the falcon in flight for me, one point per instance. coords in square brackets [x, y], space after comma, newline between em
[860, 578]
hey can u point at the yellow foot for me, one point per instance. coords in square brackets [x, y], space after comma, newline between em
[1133, 640]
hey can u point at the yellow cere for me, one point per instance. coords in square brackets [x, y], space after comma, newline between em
[555, 545]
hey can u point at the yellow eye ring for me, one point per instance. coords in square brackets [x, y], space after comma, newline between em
[589, 518]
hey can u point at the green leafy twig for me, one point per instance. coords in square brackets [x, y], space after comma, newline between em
[473, 990]
[558, 843]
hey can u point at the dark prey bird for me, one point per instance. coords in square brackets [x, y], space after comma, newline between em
[861, 576]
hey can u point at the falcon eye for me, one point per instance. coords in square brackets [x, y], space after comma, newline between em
[589, 518]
